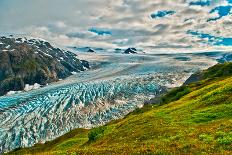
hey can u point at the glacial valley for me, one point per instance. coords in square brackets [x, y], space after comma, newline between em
[115, 85]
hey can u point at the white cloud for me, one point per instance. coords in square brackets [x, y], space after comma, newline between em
[68, 22]
[60, 24]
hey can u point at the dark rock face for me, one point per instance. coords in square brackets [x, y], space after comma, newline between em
[34, 61]
[117, 49]
[194, 78]
[130, 51]
[91, 51]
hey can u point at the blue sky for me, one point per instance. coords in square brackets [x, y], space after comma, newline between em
[99, 31]
[212, 40]
[200, 2]
[221, 11]
[153, 25]
[162, 13]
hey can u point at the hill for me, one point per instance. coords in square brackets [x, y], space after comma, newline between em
[193, 119]
[29, 61]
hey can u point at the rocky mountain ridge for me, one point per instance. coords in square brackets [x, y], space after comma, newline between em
[29, 61]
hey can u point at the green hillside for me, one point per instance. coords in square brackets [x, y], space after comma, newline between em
[193, 119]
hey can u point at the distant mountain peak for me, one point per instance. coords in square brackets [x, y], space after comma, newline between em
[131, 51]
[91, 51]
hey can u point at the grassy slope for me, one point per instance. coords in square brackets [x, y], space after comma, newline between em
[196, 119]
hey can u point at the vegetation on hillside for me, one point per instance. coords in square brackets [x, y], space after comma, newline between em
[195, 119]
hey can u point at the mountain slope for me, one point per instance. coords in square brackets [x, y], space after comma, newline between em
[218, 71]
[196, 119]
[29, 61]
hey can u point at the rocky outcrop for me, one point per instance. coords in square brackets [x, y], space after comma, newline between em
[91, 51]
[130, 51]
[28, 61]
[194, 78]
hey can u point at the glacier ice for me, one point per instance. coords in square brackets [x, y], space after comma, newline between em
[39, 118]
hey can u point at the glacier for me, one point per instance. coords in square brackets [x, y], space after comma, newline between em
[116, 85]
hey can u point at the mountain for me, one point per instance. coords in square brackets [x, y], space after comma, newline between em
[85, 49]
[130, 51]
[220, 70]
[91, 51]
[192, 119]
[221, 57]
[227, 57]
[29, 61]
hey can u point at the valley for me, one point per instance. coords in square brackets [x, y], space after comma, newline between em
[191, 119]
[115, 85]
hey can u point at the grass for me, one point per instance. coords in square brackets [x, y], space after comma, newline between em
[195, 119]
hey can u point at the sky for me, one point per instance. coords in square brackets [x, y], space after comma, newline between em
[151, 25]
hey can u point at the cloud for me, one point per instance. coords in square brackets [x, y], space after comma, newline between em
[121, 23]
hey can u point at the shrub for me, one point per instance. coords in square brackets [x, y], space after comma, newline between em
[176, 94]
[206, 138]
[96, 133]
[224, 138]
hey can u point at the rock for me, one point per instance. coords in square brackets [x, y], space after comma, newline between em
[91, 51]
[33, 61]
[117, 49]
[130, 51]
[193, 78]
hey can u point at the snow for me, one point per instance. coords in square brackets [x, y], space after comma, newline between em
[7, 47]
[32, 87]
[48, 55]
[11, 92]
[74, 73]
[24, 39]
[85, 68]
